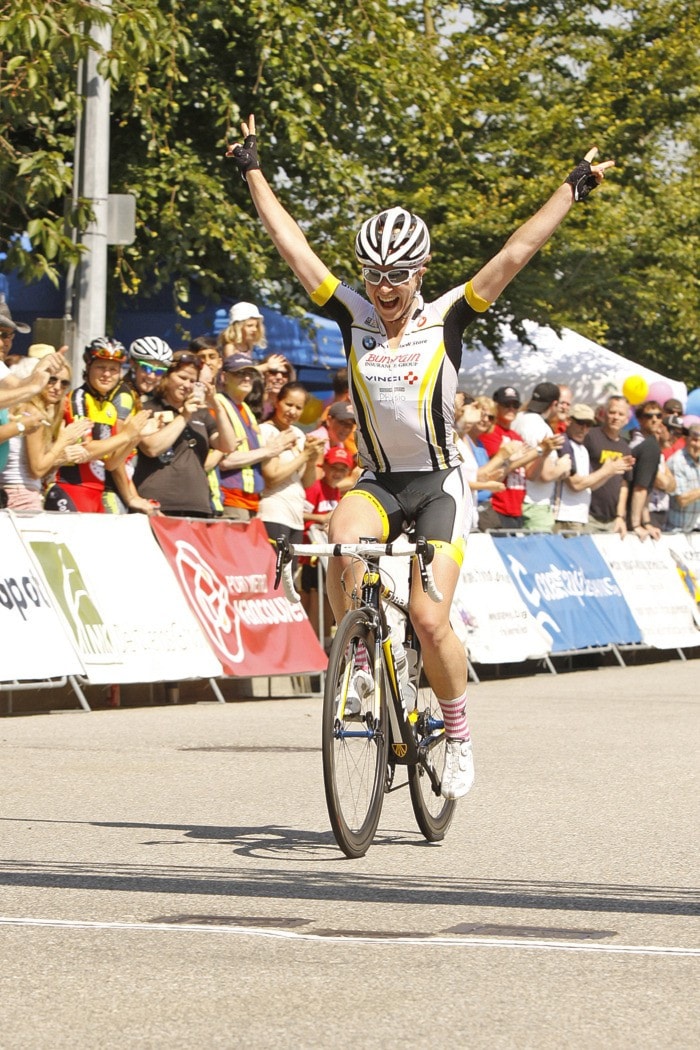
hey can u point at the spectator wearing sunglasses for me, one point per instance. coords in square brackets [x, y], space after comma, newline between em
[573, 495]
[404, 354]
[338, 431]
[275, 375]
[189, 422]
[652, 482]
[81, 486]
[675, 428]
[148, 360]
[42, 441]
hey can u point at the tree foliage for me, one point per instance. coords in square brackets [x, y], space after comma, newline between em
[471, 114]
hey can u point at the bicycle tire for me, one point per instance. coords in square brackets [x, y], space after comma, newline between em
[354, 749]
[433, 813]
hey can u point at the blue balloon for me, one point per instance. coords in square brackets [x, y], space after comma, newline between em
[692, 405]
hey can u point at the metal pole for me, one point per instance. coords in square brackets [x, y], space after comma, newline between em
[93, 173]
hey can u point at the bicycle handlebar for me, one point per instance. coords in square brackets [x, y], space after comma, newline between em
[421, 549]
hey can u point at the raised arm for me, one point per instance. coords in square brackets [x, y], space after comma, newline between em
[527, 240]
[285, 233]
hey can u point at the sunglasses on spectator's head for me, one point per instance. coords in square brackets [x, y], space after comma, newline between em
[150, 369]
[185, 357]
[64, 383]
[394, 277]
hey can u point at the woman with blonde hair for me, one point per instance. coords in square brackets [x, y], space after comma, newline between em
[41, 441]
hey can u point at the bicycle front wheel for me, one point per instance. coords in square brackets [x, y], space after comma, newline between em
[433, 812]
[355, 736]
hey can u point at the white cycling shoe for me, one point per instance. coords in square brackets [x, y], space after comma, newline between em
[458, 774]
[361, 686]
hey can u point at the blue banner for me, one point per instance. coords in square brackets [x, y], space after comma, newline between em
[569, 589]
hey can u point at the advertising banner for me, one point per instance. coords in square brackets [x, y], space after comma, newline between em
[488, 612]
[684, 548]
[33, 642]
[117, 597]
[649, 579]
[226, 571]
[569, 589]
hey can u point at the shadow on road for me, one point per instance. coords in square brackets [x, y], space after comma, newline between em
[272, 841]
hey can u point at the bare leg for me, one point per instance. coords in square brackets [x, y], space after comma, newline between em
[352, 518]
[444, 657]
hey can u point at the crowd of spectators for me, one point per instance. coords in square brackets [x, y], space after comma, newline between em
[214, 429]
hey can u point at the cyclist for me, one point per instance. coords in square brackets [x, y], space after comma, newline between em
[404, 356]
[81, 486]
[149, 358]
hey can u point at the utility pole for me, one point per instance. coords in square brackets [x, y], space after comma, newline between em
[92, 183]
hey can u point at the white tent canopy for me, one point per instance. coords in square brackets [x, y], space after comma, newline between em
[592, 371]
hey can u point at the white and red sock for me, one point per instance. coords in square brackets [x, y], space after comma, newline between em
[454, 715]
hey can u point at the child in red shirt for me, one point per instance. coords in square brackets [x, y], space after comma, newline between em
[321, 500]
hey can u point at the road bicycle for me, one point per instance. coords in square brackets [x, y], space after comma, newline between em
[399, 722]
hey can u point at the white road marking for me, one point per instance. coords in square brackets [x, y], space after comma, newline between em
[433, 942]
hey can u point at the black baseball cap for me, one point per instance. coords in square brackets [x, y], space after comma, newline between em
[505, 394]
[542, 396]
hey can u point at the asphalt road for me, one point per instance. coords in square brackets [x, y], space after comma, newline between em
[168, 879]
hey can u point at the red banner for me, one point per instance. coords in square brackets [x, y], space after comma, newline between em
[227, 572]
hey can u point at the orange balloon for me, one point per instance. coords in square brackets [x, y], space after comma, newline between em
[635, 389]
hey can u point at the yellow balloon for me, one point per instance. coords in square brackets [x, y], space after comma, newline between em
[635, 389]
[312, 411]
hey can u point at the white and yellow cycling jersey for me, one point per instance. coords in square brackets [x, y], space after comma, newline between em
[403, 397]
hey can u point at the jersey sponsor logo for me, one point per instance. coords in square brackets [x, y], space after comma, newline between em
[421, 321]
[410, 378]
[369, 342]
[392, 395]
[392, 361]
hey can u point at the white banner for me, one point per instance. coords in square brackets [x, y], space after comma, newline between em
[648, 578]
[34, 644]
[684, 548]
[489, 614]
[112, 585]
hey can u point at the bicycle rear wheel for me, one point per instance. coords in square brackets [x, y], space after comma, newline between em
[433, 812]
[354, 746]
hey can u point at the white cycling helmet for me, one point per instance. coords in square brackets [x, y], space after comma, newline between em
[395, 237]
[151, 348]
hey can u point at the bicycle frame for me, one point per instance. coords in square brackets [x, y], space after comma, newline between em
[405, 746]
[367, 727]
